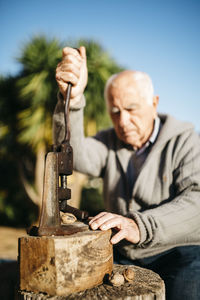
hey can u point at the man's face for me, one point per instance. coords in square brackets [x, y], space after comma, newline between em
[132, 117]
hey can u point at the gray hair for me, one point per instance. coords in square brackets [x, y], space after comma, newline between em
[144, 83]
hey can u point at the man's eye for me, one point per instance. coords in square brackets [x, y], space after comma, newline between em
[116, 114]
[131, 109]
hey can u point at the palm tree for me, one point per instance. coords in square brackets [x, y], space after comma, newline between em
[100, 67]
[37, 89]
[15, 209]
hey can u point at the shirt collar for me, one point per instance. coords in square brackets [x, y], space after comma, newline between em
[152, 138]
[155, 130]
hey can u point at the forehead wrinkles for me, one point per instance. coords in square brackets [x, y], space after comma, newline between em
[125, 90]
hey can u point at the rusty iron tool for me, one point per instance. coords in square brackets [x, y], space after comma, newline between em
[59, 165]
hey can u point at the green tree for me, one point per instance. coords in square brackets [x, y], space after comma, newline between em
[37, 90]
[100, 67]
[14, 205]
[34, 91]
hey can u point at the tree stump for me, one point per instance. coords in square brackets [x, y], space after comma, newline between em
[61, 265]
[146, 285]
[8, 279]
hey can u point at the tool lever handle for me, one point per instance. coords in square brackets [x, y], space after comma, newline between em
[66, 113]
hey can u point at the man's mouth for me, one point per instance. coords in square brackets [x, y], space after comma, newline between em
[127, 133]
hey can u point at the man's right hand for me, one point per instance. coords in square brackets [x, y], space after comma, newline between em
[72, 68]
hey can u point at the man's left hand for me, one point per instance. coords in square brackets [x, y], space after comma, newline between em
[126, 227]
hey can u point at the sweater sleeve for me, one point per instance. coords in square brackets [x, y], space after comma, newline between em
[89, 153]
[177, 221]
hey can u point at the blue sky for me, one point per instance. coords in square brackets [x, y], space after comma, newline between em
[159, 37]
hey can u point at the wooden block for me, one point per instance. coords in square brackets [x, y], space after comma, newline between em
[147, 285]
[64, 265]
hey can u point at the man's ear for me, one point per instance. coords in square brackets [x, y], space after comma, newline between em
[155, 104]
[155, 101]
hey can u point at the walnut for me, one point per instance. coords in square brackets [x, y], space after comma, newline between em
[67, 218]
[117, 279]
[129, 274]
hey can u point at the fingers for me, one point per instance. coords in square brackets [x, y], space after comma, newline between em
[67, 51]
[120, 235]
[104, 221]
[127, 228]
[99, 219]
[67, 77]
[129, 233]
[112, 222]
[98, 216]
[82, 52]
[73, 69]
[72, 60]
[68, 70]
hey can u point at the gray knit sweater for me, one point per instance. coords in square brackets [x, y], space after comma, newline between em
[165, 201]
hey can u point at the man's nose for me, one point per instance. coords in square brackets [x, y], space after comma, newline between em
[124, 118]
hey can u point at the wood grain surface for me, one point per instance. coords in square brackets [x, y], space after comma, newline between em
[64, 265]
[147, 285]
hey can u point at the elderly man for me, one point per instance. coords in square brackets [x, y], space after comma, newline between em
[150, 165]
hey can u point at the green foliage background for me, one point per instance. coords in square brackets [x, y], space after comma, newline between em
[27, 101]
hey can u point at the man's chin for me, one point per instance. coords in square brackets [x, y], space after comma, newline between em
[131, 141]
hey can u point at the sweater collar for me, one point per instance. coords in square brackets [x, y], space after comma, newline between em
[124, 151]
[152, 138]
